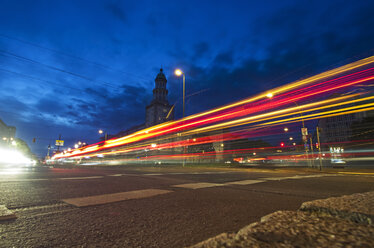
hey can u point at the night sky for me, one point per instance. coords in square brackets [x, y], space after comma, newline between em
[74, 67]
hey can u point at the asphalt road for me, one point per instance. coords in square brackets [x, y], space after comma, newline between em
[190, 204]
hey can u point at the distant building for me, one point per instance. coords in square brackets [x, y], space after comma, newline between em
[158, 111]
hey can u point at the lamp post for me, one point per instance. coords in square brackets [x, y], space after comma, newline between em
[179, 72]
[105, 135]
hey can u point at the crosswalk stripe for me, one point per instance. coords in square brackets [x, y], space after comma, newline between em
[116, 197]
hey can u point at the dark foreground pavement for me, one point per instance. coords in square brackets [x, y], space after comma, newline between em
[162, 207]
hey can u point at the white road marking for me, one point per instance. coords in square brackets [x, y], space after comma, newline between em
[153, 174]
[197, 185]
[116, 197]
[115, 175]
[25, 180]
[6, 214]
[294, 177]
[79, 178]
[43, 207]
[48, 213]
[246, 182]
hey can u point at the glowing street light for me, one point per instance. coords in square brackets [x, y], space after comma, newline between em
[106, 134]
[291, 138]
[179, 72]
[269, 95]
[285, 129]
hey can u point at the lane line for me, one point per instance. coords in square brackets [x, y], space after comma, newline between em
[24, 180]
[47, 213]
[197, 185]
[153, 174]
[115, 175]
[356, 173]
[116, 197]
[42, 207]
[79, 178]
[293, 177]
[245, 182]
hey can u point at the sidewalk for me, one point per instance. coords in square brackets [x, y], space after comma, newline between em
[346, 221]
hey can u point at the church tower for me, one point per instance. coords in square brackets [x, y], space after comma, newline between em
[159, 108]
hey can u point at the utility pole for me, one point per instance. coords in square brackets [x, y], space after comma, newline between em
[319, 150]
[311, 150]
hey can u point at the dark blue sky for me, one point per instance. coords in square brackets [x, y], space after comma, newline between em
[73, 67]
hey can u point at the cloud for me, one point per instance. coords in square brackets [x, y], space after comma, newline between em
[117, 11]
[225, 58]
[200, 49]
[290, 56]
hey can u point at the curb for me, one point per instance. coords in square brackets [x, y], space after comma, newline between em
[6, 214]
[345, 221]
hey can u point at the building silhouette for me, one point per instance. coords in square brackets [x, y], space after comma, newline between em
[158, 111]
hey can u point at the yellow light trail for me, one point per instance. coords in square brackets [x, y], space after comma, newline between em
[157, 130]
[278, 90]
[272, 115]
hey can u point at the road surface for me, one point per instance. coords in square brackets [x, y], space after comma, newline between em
[152, 206]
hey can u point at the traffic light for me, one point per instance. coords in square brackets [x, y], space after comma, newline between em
[282, 144]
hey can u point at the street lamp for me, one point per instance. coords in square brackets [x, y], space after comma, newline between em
[179, 73]
[101, 132]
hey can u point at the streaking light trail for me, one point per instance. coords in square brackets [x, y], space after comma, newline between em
[212, 135]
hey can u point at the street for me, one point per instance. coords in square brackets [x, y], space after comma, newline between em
[154, 206]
